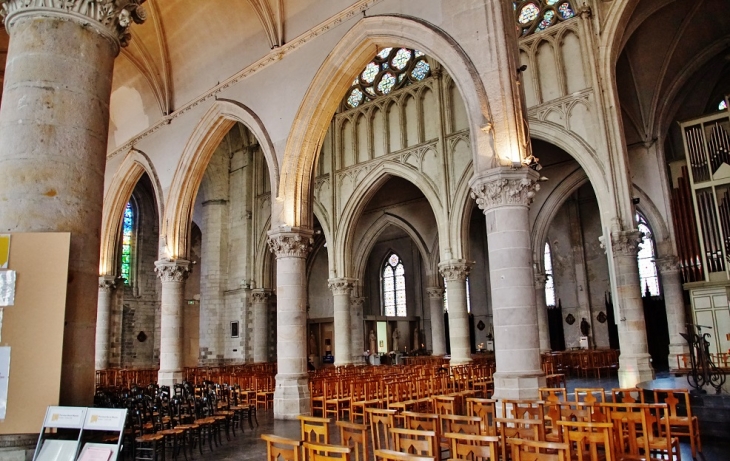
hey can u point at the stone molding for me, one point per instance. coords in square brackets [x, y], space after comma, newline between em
[504, 186]
[667, 264]
[626, 243]
[107, 283]
[111, 18]
[435, 293]
[290, 242]
[341, 286]
[540, 280]
[455, 270]
[260, 296]
[173, 270]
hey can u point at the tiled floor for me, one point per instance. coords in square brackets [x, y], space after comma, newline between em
[249, 446]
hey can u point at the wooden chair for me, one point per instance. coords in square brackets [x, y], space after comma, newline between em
[421, 421]
[523, 409]
[315, 429]
[381, 420]
[474, 447]
[510, 429]
[590, 394]
[364, 396]
[325, 452]
[628, 421]
[657, 432]
[589, 441]
[486, 409]
[316, 396]
[553, 394]
[681, 425]
[530, 450]
[444, 405]
[627, 395]
[390, 455]
[458, 424]
[355, 436]
[335, 401]
[281, 448]
[422, 443]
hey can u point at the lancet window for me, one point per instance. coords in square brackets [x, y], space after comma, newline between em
[549, 280]
[537, 15]
[394, 287]
[128, 224]
[645, 258]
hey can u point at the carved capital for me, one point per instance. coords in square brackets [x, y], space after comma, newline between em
[341, 286]
[107, 283]
[626, 243]
[173, 270]
[290, 242]
[505, 187]
[111, 18]
[357, 303]
[540, 280]
[260, 296]
[667, 264]
[455, 270]
[435, 293]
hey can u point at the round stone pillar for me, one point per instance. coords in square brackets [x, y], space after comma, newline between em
[291, 247]
[543, 327]
[53, 138]
[260, 310]
[438, 333]
[357, 328]
[455, 273]
[341, 289]
[172, 274]
[672, 291]
[505, 194]
[107, 284]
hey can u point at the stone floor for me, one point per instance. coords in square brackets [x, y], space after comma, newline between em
[249, 446]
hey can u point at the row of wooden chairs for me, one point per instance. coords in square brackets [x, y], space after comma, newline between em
[582, 362]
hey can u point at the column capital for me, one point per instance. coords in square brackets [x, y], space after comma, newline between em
[357, 302]
[667, 264]
[290, 242]
[504, 186]
[260, 295]
[111, 18]
[107, 283]
[435, 292]
[455, 269]
[625, 243]
[173, 270]
[341, 286]
[540, 280]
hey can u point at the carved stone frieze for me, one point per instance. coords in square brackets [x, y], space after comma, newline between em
[626, 243]
[455, 270]
[114, 16]
[173, 270]
[505, 186]
[107, 283]
[260, 296]
[341, 286]
[435, 293]
[667, 264]
[290, 242]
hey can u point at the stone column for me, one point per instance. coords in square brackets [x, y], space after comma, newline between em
[505, 194]
[341, 288]
[107, 284]
[260, 310]
[543, 327]
[291, 246]
[53, 138]
[213, 260]
[438, 334]
[634, 360]
[172, 274]
[671, 281]
[356, 326]
[455, 273]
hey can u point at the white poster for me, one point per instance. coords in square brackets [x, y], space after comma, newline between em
[105, 419]
[4, 374]
[66, 417]
[7, 288]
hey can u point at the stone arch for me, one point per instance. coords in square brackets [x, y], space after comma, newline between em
[335, 76]
[263, 270]
[362, 195]
[134, 165]
[462, 207]
[200, 147]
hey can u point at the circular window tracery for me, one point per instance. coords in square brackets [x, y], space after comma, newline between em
[537, 15]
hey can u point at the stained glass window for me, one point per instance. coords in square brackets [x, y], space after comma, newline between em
[394, 287]
[390, 69]
[549, 282]
[127, 231]
[645, 259]
[722, 105]
[468, 297]
[537, 15]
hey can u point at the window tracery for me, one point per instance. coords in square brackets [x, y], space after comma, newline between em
[549, 281]
[538, 15]
[394, 287]
[128, 222]
[390, 69]
[645, 259]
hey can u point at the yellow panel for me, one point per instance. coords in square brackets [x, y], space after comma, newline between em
[4, 250]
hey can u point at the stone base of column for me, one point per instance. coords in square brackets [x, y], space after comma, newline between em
[169, 378]
[518, 386]
[634, 369]
[459, 360]
[675, 350]
[291, 397]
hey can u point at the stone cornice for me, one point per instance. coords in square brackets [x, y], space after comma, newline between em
[107, 283]
[341, 286]
[111, 18]
[435, 293]
[289, 242]
[455, 270]
[504, 186]
[173, 270]
[260, 296]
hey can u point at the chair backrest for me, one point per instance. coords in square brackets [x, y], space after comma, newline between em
[474, 447]
[628, 420]
[281, 448]
[530, 450]
[380, 423]
[325, 452]
[627, 395]
[391, 455]
[444, 404]
[553, 394]
[674, 398]
[461, 424]
[590, 394]
[523, 409]
[314, 429]
[355, 436]
[415, 442]
[658, 426]
[485, 409]
[421, 421]
[587, 438]
[518, 428]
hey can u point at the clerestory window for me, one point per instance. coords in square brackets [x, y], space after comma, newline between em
[537, 15]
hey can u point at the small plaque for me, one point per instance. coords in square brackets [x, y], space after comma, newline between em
[481, 326]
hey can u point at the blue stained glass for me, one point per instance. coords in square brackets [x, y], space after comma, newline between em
[547, 20]
[566, 11]
[384, 53]
[401, 58]
[386, 83]
[127, 227]
[355, 98]
[421, 70]
[528, 13]
[722, 105]
[371, 70]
